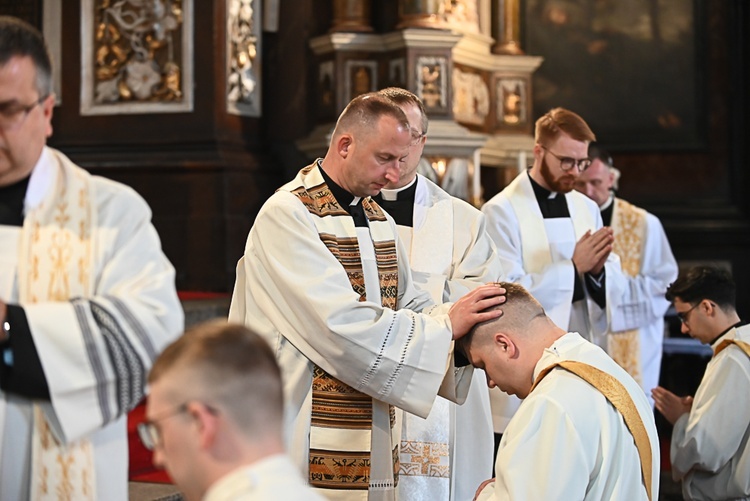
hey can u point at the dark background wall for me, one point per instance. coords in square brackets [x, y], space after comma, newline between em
[206, 173]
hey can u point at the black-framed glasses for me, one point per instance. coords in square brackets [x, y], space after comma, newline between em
[148, 431]
[567, 163]
[13, 113]
[683, 315]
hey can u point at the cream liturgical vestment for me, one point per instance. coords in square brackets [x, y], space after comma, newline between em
[536, 252]
[710, 448]
[647, 261]
[308, 283]
[567, 441]
[99, 299]
[448, 454]
[272, 478]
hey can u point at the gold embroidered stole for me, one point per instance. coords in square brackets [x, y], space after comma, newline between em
[339, 412]
[629, 226]
[618, 396]
[728, 342]
[55, 265]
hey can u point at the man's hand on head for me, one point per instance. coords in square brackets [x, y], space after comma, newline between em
[471, 308]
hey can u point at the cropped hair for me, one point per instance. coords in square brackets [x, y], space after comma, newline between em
[704, 282]
[364, 111]
[19, 39]
[403, 97]
[519, 310]
[559, 121]
[229, 366]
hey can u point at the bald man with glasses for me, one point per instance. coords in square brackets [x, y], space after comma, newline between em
[709, 450]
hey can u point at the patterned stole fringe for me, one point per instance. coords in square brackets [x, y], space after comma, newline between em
[618, 396]
[629, 226]
[55, 265]
[342, 457]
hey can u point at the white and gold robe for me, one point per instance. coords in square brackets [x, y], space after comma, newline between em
[447, 455]
[537, 253]
[100, 300]
[710, 449]
[567, 441]
[637, 337]
[294, 292]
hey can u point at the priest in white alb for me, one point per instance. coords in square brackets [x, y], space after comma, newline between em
[648, 264]
[326, 282]
[444, 456]
[87, 299]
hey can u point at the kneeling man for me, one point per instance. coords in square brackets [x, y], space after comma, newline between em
[584, 430]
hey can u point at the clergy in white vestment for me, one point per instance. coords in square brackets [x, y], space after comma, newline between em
[325, 280]
[710, 447]
[214, 418]
[445, 456]
[584, 429]
[87, 299]
[649, 265]
[550, 238]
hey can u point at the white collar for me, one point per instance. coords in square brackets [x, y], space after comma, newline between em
[40, 181]
[392, 194]
[609, 201]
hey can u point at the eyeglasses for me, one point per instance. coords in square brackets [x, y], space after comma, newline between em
[148, 431]
[13, 114]
[567, 163]
[416, 139]
[683, 315]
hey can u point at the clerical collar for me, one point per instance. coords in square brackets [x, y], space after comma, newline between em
[405, 193]
[716, 339]
[551, 204]
[608, 202]
[399, 203]
[343, 197]
[347, 201]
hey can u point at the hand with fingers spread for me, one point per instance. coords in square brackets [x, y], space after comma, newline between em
[670, 405]
[471, 308]
[592, 250]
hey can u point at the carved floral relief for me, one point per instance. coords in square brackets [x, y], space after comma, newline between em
[136, 56]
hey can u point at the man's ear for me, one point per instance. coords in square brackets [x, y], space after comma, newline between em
[708, 307]
[344, 145]
[207, 422]
[505, 344]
